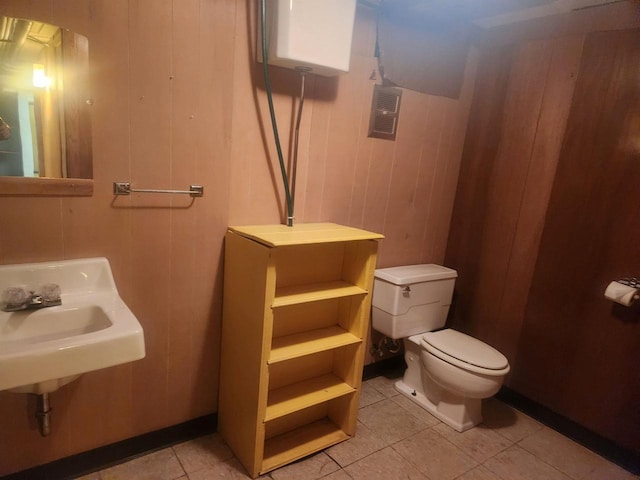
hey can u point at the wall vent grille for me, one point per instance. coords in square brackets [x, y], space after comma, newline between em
[385, 109]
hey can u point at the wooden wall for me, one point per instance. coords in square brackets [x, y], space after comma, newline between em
[546, 215]
[404, 189]
[591, 236]
[178, 99]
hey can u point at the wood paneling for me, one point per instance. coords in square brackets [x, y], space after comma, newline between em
[583, 362]
[157, 121]
[618, 15]
[179, 99]
[403, 189]
[563, 68]
[546, 215]
[480, 150]
[509, 164]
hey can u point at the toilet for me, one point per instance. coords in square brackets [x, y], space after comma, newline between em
[448, 372]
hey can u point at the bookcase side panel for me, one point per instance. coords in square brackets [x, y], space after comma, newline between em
[246, 332]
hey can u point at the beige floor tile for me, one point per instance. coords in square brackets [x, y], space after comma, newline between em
[161, 465]
[310, 468]
[434, 456]
[364, 443]
[227, 470]
[386, 464]
[563, 453]
[389, 422]
[395, 438]
[479, 473]
[369, 395]
[479, 443]
[202, 452]
[339, 475]
[508, 422]
[384, 385]
[515, 463]
[416, 410]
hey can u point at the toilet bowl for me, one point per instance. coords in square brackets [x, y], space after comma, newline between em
[446, 386]
[448, 372]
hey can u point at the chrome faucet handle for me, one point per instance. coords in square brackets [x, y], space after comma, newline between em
[15, 298]
[21, 298]
[49, 294]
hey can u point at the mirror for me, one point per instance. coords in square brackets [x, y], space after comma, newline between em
[45, 125]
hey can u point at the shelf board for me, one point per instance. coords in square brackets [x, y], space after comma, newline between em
[303, 233]
[315, 292]
[298, 396]
[313, 341]
[300, 442]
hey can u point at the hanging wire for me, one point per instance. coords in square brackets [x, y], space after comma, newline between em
[267, 82]
[294, 167]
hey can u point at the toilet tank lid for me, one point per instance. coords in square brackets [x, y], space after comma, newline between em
[409, 274]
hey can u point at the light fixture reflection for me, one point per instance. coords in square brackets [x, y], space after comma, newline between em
[40, 80]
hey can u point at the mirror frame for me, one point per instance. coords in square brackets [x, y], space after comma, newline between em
[45, 187]
[48, 186]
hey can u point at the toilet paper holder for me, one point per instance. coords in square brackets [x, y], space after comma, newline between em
[625, 291]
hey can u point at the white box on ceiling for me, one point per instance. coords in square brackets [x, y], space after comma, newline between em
[315, 34]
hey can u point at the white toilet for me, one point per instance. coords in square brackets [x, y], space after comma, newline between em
[448, 373]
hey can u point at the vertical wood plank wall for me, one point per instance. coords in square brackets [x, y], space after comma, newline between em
[546, 215]
[403, 189]
[591, 237]
[178, 99]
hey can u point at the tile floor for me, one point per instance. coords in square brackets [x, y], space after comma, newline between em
[396, 439]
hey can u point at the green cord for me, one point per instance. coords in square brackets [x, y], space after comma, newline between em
[267, 83]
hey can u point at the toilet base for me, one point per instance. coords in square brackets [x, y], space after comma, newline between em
[459, 413]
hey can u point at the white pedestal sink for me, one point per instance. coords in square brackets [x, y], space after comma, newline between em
[43, 349]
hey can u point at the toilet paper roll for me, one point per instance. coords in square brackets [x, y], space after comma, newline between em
[622, 294]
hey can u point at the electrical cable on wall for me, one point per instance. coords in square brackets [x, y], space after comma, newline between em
[305, 48]
[294, 165]
[285, 179]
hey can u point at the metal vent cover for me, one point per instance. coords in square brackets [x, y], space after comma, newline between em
[385, 109]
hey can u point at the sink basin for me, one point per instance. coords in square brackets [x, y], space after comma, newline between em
[41, 350]
[28, 328]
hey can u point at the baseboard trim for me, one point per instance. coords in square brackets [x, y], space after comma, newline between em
[109, 455]
[624, 457]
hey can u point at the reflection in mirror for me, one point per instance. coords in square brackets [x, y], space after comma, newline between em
[45, 128]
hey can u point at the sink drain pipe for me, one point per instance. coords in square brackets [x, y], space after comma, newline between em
[43, 414]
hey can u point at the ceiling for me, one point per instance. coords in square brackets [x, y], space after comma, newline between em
[484, 13]
[462, 9]
[23, 40]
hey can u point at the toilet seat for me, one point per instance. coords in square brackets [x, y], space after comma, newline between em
[465, 352]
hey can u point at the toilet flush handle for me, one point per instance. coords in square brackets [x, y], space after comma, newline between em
[406, 290]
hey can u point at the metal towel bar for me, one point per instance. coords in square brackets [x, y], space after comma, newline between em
[124, 188]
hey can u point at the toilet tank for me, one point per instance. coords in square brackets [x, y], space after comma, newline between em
[411, 299]
[313, 34]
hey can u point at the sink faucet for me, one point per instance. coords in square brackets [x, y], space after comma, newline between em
[21, 298]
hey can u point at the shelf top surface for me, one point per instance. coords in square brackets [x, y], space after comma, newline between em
[304, 233]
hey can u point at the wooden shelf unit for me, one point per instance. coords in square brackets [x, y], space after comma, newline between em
[295, 316]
